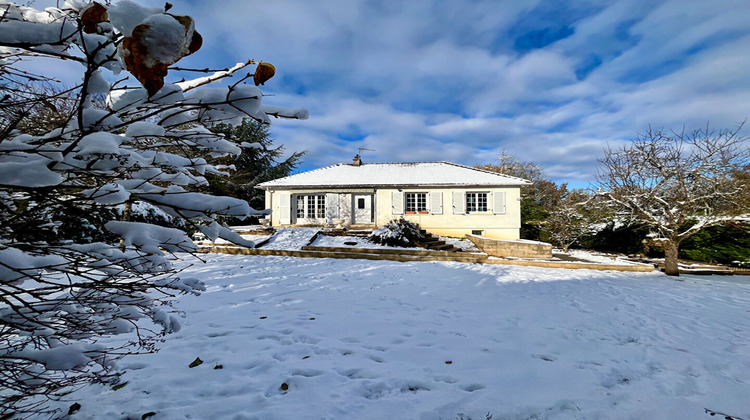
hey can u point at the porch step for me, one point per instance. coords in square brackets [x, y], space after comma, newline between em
[441, 247]
[434, 243]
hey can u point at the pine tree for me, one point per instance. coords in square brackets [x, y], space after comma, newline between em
[258, 162]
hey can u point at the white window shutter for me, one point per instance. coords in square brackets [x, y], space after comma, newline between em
[397, 202]
[498, 202]
[285, 208]
[436, 202]
[459, 202]
[332, 207]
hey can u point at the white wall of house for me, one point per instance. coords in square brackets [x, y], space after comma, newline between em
[444, 210]
[338, 205]
[446, 213]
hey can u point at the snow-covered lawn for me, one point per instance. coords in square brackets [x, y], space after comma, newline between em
[286, 338]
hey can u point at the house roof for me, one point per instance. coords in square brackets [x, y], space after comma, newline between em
[443, 174]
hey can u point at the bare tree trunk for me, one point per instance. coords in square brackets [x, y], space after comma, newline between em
[670, 258]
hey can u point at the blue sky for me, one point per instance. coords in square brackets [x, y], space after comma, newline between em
[551, 82]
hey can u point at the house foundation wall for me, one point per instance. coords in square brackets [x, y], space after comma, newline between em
[509, 234]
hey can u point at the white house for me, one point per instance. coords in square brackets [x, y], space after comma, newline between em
[443, 198]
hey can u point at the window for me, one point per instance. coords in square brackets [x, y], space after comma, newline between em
[311, 206]
[300, 206]
[321, 207]
[416, 202]
[476, 202]
[361, 203]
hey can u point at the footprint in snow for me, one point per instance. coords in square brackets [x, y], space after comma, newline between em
[446, 379]
[357, 373]
[306, 339]
[307, 373]
[376, 359]
[545, 357]
[473, 387]
[377, 348]
[219, 334]
[268, 337]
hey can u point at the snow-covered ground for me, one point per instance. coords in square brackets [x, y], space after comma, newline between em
[287, 338]
[360, 242]
[347, 241]
[290, 238]
[596, 257]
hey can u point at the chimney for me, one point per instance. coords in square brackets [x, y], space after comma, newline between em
[357, 160]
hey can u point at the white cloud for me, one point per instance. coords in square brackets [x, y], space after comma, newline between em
[441, 80]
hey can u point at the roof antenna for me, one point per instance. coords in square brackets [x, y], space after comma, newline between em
[357, 159]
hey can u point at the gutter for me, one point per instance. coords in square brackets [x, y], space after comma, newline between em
[343, 186]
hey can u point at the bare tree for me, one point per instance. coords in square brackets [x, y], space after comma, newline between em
[678, 182]
[537, 200]
[577, 214]
[65, 155]
[509, 165]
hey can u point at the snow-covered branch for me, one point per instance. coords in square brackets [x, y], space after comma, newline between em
[681, 182]
[77, 261]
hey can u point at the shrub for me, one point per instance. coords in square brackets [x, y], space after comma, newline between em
[719, 244]
[399, 232]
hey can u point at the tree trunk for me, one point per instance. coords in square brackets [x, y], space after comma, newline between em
[125, 218]
[670, 258]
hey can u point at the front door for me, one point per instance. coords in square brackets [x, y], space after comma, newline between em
[362, 209]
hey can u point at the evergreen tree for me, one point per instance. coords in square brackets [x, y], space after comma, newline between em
[537, 200]
[258, 162]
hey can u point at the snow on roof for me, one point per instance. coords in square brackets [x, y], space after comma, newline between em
[394, 174]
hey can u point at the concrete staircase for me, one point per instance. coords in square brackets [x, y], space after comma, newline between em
[434, 243]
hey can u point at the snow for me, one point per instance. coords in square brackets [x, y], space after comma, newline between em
[111, 193]
[166, 39]
[395, 174]
[99, 142]
[122, 99]
[143, 129]
[294, 113]
[192, 84]
[191, 204]
[35, 33]
[63, 357]
[97, 83]
[125, 15]
[28, 171]
[214, 231]
[100, 119]
[340, 242]
[16, 264]
[462, 244]
[60, 298]
[149, 238]
[323, 338]
[291, 238]
[597, 257]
